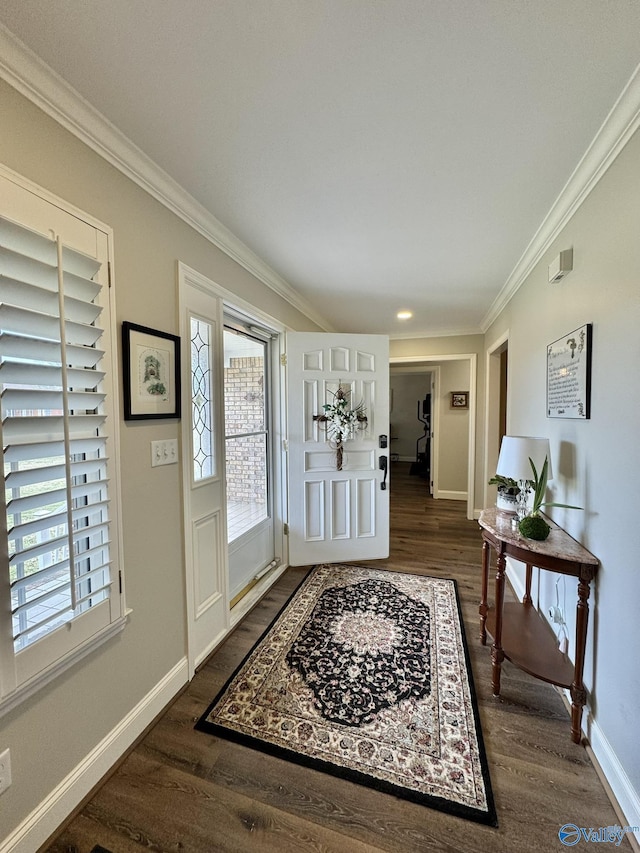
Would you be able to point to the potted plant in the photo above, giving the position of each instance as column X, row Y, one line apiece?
column 508, row 491
column 533, row 525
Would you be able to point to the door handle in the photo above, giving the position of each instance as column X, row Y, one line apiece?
column 382, row 465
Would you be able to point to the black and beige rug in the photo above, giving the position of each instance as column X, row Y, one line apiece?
column 365, row 674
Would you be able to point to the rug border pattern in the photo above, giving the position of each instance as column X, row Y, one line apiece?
column 488, row 817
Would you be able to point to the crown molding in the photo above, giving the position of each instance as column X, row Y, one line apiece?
column 33, row 78
column 614, row 133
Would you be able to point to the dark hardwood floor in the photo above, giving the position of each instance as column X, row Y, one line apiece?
column 182, row 790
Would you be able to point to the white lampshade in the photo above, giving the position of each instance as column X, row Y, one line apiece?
column 515, row 452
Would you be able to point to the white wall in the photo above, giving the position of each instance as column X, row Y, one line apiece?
column 597, row 462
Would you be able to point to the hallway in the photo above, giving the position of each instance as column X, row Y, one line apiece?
column 187, row 791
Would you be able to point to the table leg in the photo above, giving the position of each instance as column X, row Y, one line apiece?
column 497, row 654
column 527, row 590
column 578, row 693
column 484, row 609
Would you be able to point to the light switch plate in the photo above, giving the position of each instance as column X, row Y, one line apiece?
column 164, row 452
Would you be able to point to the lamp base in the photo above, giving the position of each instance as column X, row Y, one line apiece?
column 522, row 509
column 506, row 503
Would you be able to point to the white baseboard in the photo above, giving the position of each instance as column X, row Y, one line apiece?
column 516, row 577
column 450, row 495
column 615, row 777
column 45, row 819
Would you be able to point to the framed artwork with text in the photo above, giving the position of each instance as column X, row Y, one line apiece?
column 569, row 375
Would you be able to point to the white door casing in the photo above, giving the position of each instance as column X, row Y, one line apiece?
column 205, row 526
column 337, row 516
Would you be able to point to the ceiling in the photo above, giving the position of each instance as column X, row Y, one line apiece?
column 378, row 155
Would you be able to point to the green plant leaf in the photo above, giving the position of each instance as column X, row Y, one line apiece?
column 565, row 506
column 539, row 484
column 504, row 482
column 540, row 487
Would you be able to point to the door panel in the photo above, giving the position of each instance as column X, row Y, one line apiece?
column 337, row 515
column 203, row 480
column 206, row 541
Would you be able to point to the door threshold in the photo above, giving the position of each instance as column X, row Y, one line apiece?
column 242, row 593
column 257, row 588
column 272, row 565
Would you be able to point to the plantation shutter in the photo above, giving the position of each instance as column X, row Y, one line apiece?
column 54, row 445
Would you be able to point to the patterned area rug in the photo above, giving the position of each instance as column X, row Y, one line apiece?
column 365, row 674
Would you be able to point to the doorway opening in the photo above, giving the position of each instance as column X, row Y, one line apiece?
column 452, row 444
column 411, row 420
column 248, row 456
column 496, row 409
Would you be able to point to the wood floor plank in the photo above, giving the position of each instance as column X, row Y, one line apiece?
column 187, row 791
column 168, row 807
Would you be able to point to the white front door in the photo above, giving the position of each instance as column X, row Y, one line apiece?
column 205, row 527
column 337, row 515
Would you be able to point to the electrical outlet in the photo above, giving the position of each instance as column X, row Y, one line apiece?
column 556, row 615
column 164, row 452
column 5, row 771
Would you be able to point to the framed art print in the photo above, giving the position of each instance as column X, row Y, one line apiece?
column 459, row 399
column 151, row 366
column 569, row 375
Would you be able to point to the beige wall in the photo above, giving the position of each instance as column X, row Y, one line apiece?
column 423, row 347
column 596, row 462
column 51, row 732
column 453, row 426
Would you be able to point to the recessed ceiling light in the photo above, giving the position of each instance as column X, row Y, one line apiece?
column 404, row 315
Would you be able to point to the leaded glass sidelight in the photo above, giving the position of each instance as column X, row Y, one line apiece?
column 201, row 416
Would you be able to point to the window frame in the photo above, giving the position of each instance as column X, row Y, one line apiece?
column 257, row 335
column 22, row 675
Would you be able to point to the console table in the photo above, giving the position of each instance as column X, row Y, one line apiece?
column 519, row 632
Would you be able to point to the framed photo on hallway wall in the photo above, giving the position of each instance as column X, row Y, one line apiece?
column 151, row 368
column 459, row 399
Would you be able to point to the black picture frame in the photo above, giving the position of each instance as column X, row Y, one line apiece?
column 569, row 375
column 459, row 399
column 151, row 373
